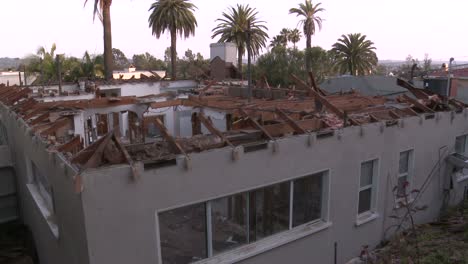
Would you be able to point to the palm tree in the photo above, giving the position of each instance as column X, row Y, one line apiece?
column 102, row 9
column 48, row 66
column 284, row 33
column 294, row 36
column 278, row 40
column 234, row 27
column 310, row 20
column 354, row 54
column 175, row 16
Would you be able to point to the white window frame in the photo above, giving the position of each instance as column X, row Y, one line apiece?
column 462, row 174
column 409, row 176
column 270, row 242
column 371, row 214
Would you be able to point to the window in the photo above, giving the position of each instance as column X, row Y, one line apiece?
column 183, row 234
column 367, row 192
column 44, row 187
column 307, row 199
column 460, row 148
column 404, row 176
column 203, row 230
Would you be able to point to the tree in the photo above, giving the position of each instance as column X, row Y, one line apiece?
column 48, row 67
column 427, row 63
column 234, row 27
column 102, row 9
column 294, row 36
column 310, row 21
column 321, row 62
column 175, row 16
column 354, row 54
column 147, row 61
column 120, row 60
column 92, row 66
column 278, row 40
column 284, row 33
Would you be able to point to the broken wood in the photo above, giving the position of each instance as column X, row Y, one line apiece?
column 417, row 104
column 255, row 123
column 209, row 125
column 291, row 122
column 168, row 137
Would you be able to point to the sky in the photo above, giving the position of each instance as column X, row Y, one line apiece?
column 397, row 27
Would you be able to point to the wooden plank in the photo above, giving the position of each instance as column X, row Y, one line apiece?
column 71, row 146
column 393, row 114
column 209, row 125
column 314, row 85
column 277, row 130
column 40, row 118
column 255, row 124
column 373, row 118
column 291, row 122
column 168, row 137
column 418, row 93
column 417, row 104
column 127, row 156
column 56, row 125
column 167, row 103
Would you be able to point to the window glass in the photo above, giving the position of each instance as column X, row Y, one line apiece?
column 365, row 197
column 269, row 210
column 307, row 204
column 367, row 170
column 404, row 162
column 460, row 145
column 229, row 222
column 401, row 186
column 183, row 234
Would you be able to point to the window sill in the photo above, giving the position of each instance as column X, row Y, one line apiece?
column 266, row 244
column 366, row 218
column 49, row 217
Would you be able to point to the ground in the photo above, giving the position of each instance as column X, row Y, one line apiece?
column 442, row 242
column 16, row 246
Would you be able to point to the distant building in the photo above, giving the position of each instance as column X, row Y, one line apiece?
column 366, row 85
column 132, row 73
column 225, row 51
column 13, row 78
column 437, row 82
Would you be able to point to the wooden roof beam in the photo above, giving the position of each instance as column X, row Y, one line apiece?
column 168, row 136
column 417, row 104
column 209, row 125
column 255, row 123
column 291, row 122
column 61, row 122
column 127, row 157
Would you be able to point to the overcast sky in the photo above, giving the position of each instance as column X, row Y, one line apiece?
column 397, row 27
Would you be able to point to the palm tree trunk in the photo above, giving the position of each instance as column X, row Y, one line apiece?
column 173, row 53
column 308, row 47
column 239, row 61
column 108, row 59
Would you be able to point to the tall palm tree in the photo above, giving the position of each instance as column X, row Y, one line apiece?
column 310, row 21
column 284, row 33
column 175, row 16
column 102, row 9
column 278, row 40
column 234, row 26
column 354, row 54
column 294, row 36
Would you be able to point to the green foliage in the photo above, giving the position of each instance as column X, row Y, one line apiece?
column 147, row 61
column 234, row 27
column 175, row 16
column 279, row 63
column 192, row 66
column 120, row 60
column 321, row 62
column 354, row 54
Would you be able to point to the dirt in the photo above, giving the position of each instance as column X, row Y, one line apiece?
column 442, row 242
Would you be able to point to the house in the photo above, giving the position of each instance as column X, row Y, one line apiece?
column 220, row 179
column 371, row 85
column 437, row 82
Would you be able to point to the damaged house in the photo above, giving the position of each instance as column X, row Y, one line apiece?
column 290, row 176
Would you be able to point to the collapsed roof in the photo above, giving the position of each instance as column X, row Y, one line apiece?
column 270, row 114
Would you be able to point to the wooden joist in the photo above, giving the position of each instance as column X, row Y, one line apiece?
column 61, row 122
column 167, row 103
column 417, row 104
column 40, row 118
column 393, row 114
column 291, row 122
column 209, row 125
column 127, row 157
column 168, row 137
column 74, row 145
column 255, row 123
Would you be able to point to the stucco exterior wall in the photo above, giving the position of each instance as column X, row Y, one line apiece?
column 70, row 244
column 121, row 215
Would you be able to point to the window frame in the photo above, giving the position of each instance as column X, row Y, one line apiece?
column 366, row 216
column 286, row 236
column 408, row 174
column 462, row 174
